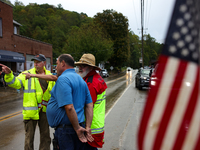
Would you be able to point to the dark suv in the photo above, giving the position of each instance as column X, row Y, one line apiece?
column 142, row 78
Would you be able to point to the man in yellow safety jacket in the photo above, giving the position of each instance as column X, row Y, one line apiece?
column 35, row 99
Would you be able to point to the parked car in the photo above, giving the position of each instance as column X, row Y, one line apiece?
column 104, row 73
column 153, row 78
column 146, row 67
column 142, row 78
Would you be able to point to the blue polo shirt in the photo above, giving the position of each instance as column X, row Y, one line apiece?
column 70, row 88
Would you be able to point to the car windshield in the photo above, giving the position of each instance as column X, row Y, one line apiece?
column 145, row 71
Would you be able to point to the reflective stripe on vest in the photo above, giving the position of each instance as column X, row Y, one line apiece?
column 11, row 82
column 29, row 87
column 30, row 108
column 97, row 130
column 44, row 103
column 29, row 91
column 20, row 82
column 100, row 100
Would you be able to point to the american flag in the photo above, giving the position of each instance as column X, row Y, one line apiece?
column 171, row 116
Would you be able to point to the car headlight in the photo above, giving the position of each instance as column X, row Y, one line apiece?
column 144, row 78
column 153, row 83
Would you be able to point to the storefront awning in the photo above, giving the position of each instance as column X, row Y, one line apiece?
column 11, row 56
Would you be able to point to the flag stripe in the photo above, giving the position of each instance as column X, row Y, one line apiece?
column 180, row 107
column 150, row 102
column 172, row 93
column 161, row 101
column 187, row 117
column 193, row 133
column 198, row 143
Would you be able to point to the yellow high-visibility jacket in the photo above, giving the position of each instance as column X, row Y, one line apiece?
column 34, row 98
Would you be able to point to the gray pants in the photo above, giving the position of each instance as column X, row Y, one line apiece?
column 30, row 125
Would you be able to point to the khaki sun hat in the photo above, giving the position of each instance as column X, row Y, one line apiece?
column 87, row 59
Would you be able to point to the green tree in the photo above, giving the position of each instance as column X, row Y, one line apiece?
column 60, row 7
column 50, row 12
column 116, row 25
column 151, row 49
column 56, row 34
column 39, row 21
column 73, row 18
column 89, row 38
column 40, row 34
column 135, row 51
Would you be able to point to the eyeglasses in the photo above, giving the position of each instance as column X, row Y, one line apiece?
column 83, row 66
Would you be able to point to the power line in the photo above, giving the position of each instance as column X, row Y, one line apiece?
column 149, row 14
column 135, row 14
column 146, row 12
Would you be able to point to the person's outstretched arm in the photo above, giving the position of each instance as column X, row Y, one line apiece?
column 41, row 76
column 10, row 79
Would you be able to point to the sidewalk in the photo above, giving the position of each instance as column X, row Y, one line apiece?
column 8, row 94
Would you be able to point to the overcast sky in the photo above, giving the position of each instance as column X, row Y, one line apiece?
column 156, row 16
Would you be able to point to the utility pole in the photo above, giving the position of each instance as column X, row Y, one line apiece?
column 142, row 23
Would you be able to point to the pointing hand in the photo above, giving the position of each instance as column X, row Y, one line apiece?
column 28, row 75
column 5, row 69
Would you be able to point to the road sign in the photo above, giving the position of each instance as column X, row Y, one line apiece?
column 111, row 68
column 140, row 60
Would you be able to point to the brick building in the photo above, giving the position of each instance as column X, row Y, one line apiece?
column 16, row 51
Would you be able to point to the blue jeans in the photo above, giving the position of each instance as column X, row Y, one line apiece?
column 68, row 139
column 88, row 147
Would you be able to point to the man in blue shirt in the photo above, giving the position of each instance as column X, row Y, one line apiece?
column 65, row 111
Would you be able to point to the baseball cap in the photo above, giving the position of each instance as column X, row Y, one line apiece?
column 39, row 57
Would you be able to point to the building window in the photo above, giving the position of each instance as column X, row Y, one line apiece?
column 15, row 30
column 1, row 30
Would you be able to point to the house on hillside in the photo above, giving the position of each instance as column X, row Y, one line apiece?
column 16, row 51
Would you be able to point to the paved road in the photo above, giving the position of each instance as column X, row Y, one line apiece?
column 123, row 119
